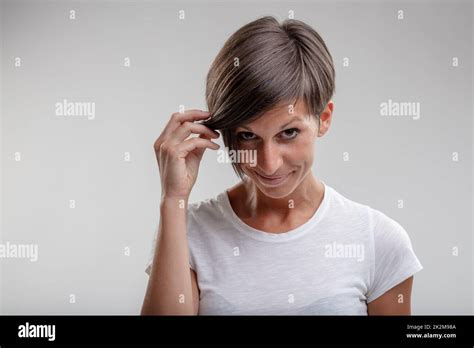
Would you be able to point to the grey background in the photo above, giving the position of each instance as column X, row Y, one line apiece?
column 81, row 250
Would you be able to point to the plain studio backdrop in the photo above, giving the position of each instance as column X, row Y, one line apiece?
column 86, row 189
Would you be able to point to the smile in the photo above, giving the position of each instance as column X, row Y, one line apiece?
column 272, row 181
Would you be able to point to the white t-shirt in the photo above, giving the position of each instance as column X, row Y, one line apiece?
column 345, row 256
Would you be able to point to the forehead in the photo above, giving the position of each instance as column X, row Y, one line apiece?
column 279, row 115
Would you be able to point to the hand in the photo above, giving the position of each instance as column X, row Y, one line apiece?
column 178, row 157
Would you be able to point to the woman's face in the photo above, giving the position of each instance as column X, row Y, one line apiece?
column 283, row 139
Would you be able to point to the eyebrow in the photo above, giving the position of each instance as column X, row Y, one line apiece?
column 298, row 118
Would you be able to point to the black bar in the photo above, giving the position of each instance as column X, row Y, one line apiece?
column 163, row 330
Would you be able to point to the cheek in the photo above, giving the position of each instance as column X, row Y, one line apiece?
column 301, row 150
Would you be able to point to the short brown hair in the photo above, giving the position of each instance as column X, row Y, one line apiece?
column 262, row 65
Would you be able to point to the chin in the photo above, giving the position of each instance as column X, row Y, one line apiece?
column 275, row 193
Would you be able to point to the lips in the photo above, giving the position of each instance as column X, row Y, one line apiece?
column 272, row 180
column 271, row 177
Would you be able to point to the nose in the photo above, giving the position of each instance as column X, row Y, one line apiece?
column 269, row 159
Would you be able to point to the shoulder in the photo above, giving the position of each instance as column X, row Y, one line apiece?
column 207, row 211
column 389, row 232
column 345, row 209
column 379, row 223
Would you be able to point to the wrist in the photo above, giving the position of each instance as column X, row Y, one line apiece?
column 174, row 201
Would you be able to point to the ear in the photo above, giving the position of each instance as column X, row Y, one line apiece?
column 325, row 118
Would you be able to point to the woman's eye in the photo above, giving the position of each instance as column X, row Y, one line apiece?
column 246, row 136
column 290, row 133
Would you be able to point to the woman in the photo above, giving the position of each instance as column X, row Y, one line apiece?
column 281, row 241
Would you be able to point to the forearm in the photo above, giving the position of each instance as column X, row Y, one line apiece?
column 169, row 290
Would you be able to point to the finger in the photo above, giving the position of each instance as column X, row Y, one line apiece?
column 177, row 119
column 200, row 151
column 188, row 128
column 195, row 143
column 192, row 115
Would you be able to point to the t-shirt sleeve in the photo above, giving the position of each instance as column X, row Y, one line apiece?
column 190, row 226
column 394, row 257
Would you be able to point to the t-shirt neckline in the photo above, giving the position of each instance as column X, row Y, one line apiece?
column 275, row 237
